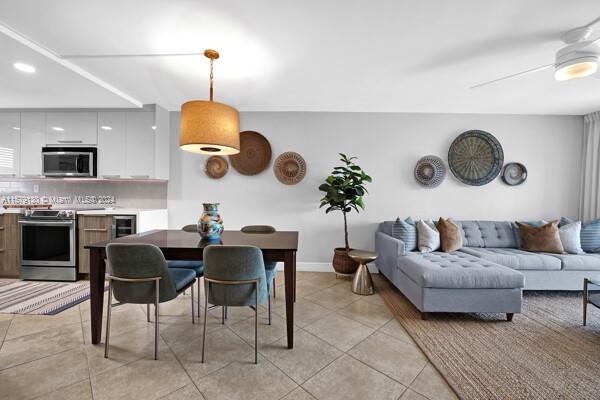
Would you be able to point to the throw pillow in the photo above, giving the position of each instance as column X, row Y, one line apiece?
column 407, row 232
column 541, row 239
column 565, row 221
column 570, row 237
column 518, row 233
column 450, row 236
column 428, row 236
column 590, row 236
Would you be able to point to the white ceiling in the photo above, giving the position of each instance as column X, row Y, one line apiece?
column 311, row 55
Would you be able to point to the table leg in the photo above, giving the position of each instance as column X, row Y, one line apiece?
column 97, row 271
column 289, row 268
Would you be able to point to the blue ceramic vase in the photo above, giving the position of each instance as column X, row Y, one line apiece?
column 210, row 225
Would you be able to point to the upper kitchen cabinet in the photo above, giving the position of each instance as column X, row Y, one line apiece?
column 71, row 128
column 33, row 138
column 140, row 142
column 10, row 143
column 112, row 133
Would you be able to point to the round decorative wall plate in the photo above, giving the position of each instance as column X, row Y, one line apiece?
column 254, row 156
column 430, row 171
column 216, row 167
column 514, row 174
column 475, row 157
column 289, row 168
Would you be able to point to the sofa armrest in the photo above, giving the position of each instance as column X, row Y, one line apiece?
column 388, row 246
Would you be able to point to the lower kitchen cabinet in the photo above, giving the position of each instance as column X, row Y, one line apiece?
column 9, row 246
column 92, row 228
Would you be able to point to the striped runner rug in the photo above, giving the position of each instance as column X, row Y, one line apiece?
column 40, row 298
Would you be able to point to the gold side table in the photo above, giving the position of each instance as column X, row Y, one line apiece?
column 362, row 283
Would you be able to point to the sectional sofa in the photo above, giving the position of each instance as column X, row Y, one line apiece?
column 488, row 274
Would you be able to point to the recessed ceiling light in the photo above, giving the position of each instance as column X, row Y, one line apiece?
column 29, row 69
column 58, row 129
column 106, row 128
column 16, row 128
column 153, row 127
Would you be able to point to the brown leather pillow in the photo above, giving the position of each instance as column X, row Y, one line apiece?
column 542, row 239
column 450, row 235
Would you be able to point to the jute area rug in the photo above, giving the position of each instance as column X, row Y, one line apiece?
column 544, row 353
column 41, row 298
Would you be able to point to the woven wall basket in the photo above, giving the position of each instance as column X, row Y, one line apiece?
column 289, row 168
column 254, row 156
column 216, row 167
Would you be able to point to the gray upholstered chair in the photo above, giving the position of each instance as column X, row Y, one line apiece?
column 138, row 274
column 196, row 265
column 234, row 276
column 270, row 266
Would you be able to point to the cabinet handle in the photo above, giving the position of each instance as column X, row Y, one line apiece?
column 95, row 230
column 140, row 176
column 111, row 176
column 2, row 250
column 13, row 175
column 32, row 175
column 70, row 141
column 1, row 228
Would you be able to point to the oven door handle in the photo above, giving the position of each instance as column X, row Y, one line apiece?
column 53, row 223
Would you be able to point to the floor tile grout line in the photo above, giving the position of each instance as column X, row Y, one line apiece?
column 182, row 367
column 7, row 329
column 37, row 359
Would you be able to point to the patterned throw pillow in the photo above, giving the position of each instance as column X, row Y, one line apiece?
column 590, row 236
column 428, row 236
column 570, row 237
column 407, row 232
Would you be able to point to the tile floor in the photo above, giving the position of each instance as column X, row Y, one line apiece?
column 346, row 347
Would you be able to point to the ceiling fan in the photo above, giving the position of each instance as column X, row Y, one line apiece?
column 578, row 59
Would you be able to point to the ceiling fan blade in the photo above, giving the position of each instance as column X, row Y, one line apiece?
column 529, row 71
column 141, row 55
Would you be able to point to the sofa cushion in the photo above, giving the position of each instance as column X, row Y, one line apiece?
column 544, row 238
column 428, row 236
column 487, row 233
column 516, row 259
column 450, row 235
column 579, row 262
column 570, row 237
column 590, row 236
column 406, row 231
column 458, row 271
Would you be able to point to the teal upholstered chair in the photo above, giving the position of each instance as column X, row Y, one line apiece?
column 234, row 276
column 270, row 266
column 195, row 265
column 138, row 274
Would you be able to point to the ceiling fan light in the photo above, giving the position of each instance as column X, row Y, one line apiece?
column 576, row 68
column 208, row 127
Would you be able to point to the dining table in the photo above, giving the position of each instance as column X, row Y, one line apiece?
column 279, row 246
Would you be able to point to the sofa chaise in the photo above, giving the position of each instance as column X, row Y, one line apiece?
column 488, row 274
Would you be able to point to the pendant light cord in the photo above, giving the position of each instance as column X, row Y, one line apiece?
column 211, row 79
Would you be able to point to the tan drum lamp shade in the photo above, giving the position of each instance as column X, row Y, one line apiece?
column 208, row 127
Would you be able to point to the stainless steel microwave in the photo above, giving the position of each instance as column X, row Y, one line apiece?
column 69, row 162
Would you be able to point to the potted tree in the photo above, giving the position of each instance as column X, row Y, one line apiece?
column 344, row 190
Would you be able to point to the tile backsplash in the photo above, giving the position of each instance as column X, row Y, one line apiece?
column 126, row 194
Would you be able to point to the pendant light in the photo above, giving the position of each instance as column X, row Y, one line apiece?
column 208, row 127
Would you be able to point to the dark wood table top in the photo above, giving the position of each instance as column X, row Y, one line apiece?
column 178, row 239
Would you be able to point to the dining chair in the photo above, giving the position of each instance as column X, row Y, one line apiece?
column 270, row 266
column 196, row 265
column 234, row 276
column 138, row 274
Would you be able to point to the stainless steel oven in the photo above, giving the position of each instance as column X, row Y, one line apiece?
column 69, row 162
column 48, row 245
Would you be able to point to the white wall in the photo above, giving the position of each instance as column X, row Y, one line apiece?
column 388, row 146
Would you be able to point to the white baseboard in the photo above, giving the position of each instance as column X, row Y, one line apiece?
column 319, row 267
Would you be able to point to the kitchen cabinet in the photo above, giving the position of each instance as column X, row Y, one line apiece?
column 10, row 143
column 33, row 138
column 92, row 228
column 9, row 246
column 140, row 142
column 72, row 128
column 112, row 133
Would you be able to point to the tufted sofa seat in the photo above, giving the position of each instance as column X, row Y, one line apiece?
column 458, row 270
column 515, row 258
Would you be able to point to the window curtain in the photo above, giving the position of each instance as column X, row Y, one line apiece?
column 589, row 207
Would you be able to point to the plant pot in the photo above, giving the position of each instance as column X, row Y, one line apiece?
column 342, row 263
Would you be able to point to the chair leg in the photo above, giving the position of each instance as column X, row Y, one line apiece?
column 198, row 298
column 222, row 315
column 274, row 294
column 148, row 312
column 204, row 327
column 156, row 303
column 108, row 309
column 256, row 327
column 585, row 300
column 193, row 313
column 269, row 300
